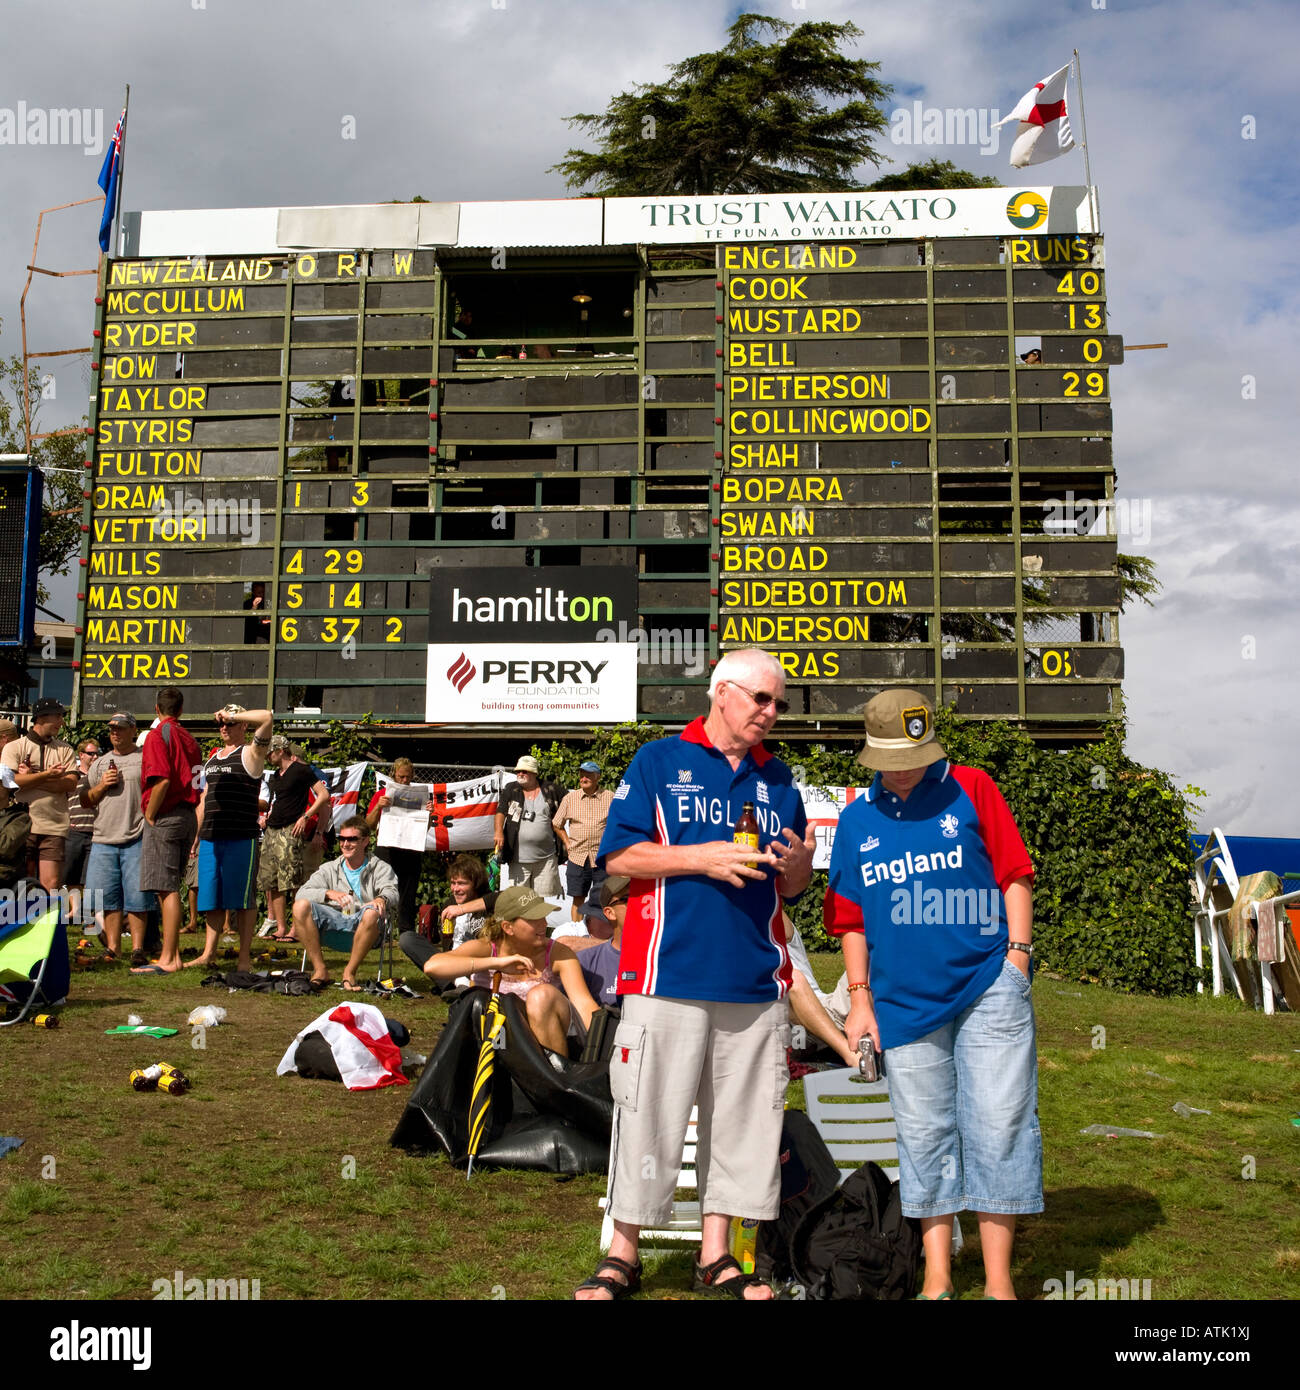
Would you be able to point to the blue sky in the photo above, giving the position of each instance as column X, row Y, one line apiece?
column 236, row 103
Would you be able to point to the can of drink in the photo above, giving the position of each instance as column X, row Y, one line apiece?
column 46, row 1020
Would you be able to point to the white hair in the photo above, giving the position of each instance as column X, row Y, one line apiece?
column 750, row 663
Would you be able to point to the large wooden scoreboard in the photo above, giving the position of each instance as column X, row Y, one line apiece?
column 340, row 458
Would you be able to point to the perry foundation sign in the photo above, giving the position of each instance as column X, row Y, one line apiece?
column 529, row 683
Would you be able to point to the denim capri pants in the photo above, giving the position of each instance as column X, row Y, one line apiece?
column 965, row 1101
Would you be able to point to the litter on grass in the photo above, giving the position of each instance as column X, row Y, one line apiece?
column 1181, row 1108
column 209, row 1016
column 134, row 1020
column 8, row 1142
column 141, row 1028
column 1115, row 1132
column 1158, row 1077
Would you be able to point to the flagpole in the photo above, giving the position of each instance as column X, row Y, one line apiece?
column 121, row 170
column 1087, row 159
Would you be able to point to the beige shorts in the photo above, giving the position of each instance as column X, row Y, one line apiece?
column 541, row 875
column 727, row 1059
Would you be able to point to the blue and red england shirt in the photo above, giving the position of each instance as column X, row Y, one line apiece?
column 924, row 878
column 689, row 936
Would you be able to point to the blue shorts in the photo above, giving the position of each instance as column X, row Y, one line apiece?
column 965, row 1101
column 113, row 879
column 227, row 875
column 336, row 928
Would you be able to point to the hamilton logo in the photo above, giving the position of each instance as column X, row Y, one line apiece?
column 461, row 672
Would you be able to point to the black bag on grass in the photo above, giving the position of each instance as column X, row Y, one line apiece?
column 808, row 1176
column 856, row 1243
column 15, row 827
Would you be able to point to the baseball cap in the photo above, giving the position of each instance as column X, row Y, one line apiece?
column 521, row 901
column 614, row 887
column 278, row 742
column 232, row 711
column 122, row 719
column 589, row 766
column 526, row 765
column 7, row 728
column 900, row 732
column 47, row 706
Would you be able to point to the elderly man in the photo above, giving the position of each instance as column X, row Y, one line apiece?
column 579, row 824
column 296, row 795
column 525, row 837
column 704, row 974
column 44, row 770
column 350, row 897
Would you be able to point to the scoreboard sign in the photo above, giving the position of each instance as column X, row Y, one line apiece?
column 447, row 485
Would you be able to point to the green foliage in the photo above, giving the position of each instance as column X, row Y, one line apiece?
column 1108, row 837
column 790, row 116
column 1137, row 574
column 61, row 509
column 612, row 748
column 932, row 173
column 344, row 743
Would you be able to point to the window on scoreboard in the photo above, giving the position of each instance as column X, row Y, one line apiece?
column 544, row 315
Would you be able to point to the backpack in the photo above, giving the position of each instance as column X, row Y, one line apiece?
column 856, row 1243
column 15, row 827
column 808, row 1176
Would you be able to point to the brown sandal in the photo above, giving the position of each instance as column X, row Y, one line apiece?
column 706, row 1280
column 617, row 1289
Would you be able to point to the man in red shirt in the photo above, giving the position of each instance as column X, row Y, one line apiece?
column 169, row 781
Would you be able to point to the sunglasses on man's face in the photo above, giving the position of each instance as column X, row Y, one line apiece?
column 350, row 839
column 90, row 752
column 761, row 699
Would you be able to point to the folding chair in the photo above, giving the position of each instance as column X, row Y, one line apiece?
column 684, row 1224
column 855, row 1118
column 24, row 947
column 342, row 941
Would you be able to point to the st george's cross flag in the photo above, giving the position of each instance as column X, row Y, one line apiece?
column 1044, row 130
column 108, row 177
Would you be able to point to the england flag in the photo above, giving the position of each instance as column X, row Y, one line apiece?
column 1044, row 130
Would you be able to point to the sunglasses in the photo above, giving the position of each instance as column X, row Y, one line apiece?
column 763, row 700
column 350, row 839
column 90, row 752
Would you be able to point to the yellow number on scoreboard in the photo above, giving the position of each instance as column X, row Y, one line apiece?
column 1091, row 316
column 361, row 490
column 1089, row 282
column 288, row 629
column 1058, row 663
column 1071, row 380
column 1096, row 383
column 295, row 563
column 293, row 596
column 394, row 630
column 353, row 597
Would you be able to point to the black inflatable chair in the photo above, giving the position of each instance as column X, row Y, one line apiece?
column 548, row 1113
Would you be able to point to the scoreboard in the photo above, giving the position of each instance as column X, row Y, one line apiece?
column 340, row 481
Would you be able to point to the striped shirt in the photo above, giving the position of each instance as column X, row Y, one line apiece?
column 582, row 818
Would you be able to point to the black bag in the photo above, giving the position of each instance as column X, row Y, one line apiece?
column 15, row 827
column 856, row 1243
column 808, row 1176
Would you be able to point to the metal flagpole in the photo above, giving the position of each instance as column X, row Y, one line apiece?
column 121, row 170
column 1083, row 132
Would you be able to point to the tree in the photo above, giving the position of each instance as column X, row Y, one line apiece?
column 931, row 173
column 60, row 459
column 752, row 117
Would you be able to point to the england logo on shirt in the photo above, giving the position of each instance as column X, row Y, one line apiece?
column 948, row 824
column 762, row 794
column 623, row 789
column 870, row 843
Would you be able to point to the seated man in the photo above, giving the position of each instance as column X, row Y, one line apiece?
column 352, row 896
column 598, row 953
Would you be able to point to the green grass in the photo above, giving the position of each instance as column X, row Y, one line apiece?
column 244, row 1177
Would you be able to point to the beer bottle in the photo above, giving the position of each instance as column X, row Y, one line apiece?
column 746, row 832
column 448, row 933
column 146, row 1079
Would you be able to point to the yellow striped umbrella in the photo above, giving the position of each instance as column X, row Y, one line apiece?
column 491, row 1022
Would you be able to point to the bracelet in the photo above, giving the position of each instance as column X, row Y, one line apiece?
column 862, row 985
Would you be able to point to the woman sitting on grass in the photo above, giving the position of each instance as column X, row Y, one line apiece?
column 544, row 974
